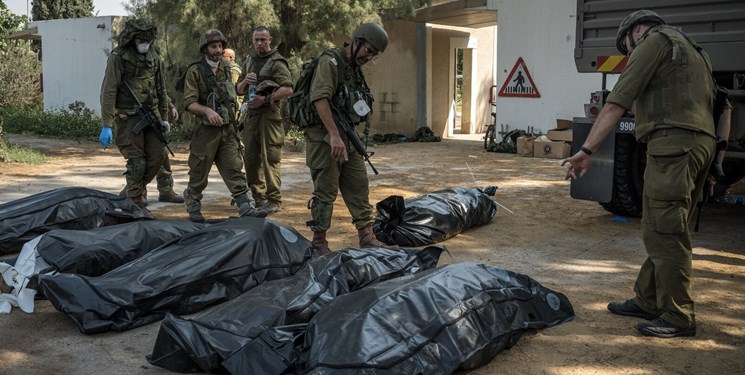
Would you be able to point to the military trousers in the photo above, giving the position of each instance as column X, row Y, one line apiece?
column 218, row 145
column 165, row 176
column 331, row 177
column 263, row 136
column 677, row 166
column 144, row 153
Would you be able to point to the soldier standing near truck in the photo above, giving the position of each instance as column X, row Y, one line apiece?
column 668, row 80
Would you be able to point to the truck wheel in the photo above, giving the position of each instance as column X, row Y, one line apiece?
column 628, row 177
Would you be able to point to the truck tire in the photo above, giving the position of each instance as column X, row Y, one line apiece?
column 628, row 177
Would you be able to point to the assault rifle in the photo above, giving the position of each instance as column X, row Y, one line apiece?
column 343, row 122
column 147, row 118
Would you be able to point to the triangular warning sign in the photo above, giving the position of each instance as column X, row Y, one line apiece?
column 519, row 83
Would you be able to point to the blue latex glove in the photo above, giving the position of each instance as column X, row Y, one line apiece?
column 106, row 136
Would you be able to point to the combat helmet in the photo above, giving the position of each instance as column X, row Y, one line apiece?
column 209, row 36
column 137, row 28
column 628, row 23
column 266, row 87
column 374, row 34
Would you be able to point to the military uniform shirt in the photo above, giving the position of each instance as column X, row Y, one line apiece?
column 658, row 78
column 325, row 79
column 195, row 86
column 115, row 72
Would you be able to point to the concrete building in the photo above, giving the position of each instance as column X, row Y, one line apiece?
column 414, row 80
column 74, row 53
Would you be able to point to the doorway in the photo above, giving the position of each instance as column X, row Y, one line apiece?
column 458, row 91
column 461, row 120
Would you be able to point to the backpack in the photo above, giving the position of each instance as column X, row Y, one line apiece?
column 181, row 80
column 301, row 111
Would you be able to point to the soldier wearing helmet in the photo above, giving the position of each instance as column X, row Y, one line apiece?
column 209, row 94
column 339, row 85
column 668, row 81
column 263, row 132
column 137, row 63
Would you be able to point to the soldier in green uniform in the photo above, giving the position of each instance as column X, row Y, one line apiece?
column 136, row 64
column 235, row 68
column 263, row 133
column 668, row 80
column 210, row 94
column 339, row 85
column 164, row 178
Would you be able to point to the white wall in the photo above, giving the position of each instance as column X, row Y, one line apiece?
column 543, row 34
column 74, row 53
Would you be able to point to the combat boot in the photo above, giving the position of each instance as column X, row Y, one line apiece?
column 139, row 203
column 195, row 212
column 260, row 202
column 367, row 239
column 271, row 208
column 123, row 194
column 246, row 207
column 170, row 197
column 320, row 245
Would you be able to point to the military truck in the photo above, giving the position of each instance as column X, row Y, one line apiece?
column 615, row 178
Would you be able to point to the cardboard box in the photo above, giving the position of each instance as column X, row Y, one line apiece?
column 551, row 150
column 525, row 145
column 563, row 124
column 560, row 135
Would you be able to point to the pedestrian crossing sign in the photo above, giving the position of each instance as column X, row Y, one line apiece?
column 519, row 83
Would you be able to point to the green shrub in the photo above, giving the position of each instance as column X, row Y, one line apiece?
column 296, row 139
column 20, row 75
column 3, row 146
column 76, row 122
column 182, row 130
column 16, row 154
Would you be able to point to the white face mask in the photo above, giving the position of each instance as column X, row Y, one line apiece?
column 213, row 63
column 142, row 48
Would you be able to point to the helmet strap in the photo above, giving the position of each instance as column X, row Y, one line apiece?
column 632, row 41
column 356, row 50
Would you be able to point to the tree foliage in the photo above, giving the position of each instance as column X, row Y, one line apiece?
column 300, row 28
column 9, row 23
column 20, row 76
column 58, row 9
column 20, row 70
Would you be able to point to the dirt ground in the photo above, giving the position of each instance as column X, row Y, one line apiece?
column 574, row 247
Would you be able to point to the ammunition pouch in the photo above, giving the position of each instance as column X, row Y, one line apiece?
column 320, row 213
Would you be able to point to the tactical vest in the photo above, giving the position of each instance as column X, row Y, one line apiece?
column 141, row 73
column 670, row 99
column 262, row 67
column 222, row 95
column 350, row 88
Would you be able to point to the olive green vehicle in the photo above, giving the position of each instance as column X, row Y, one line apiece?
column 615, row 178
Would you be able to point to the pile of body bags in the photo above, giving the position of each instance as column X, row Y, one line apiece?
column 264, row 303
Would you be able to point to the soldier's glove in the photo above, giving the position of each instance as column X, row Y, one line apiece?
column 106, row 137
column 165, row 127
